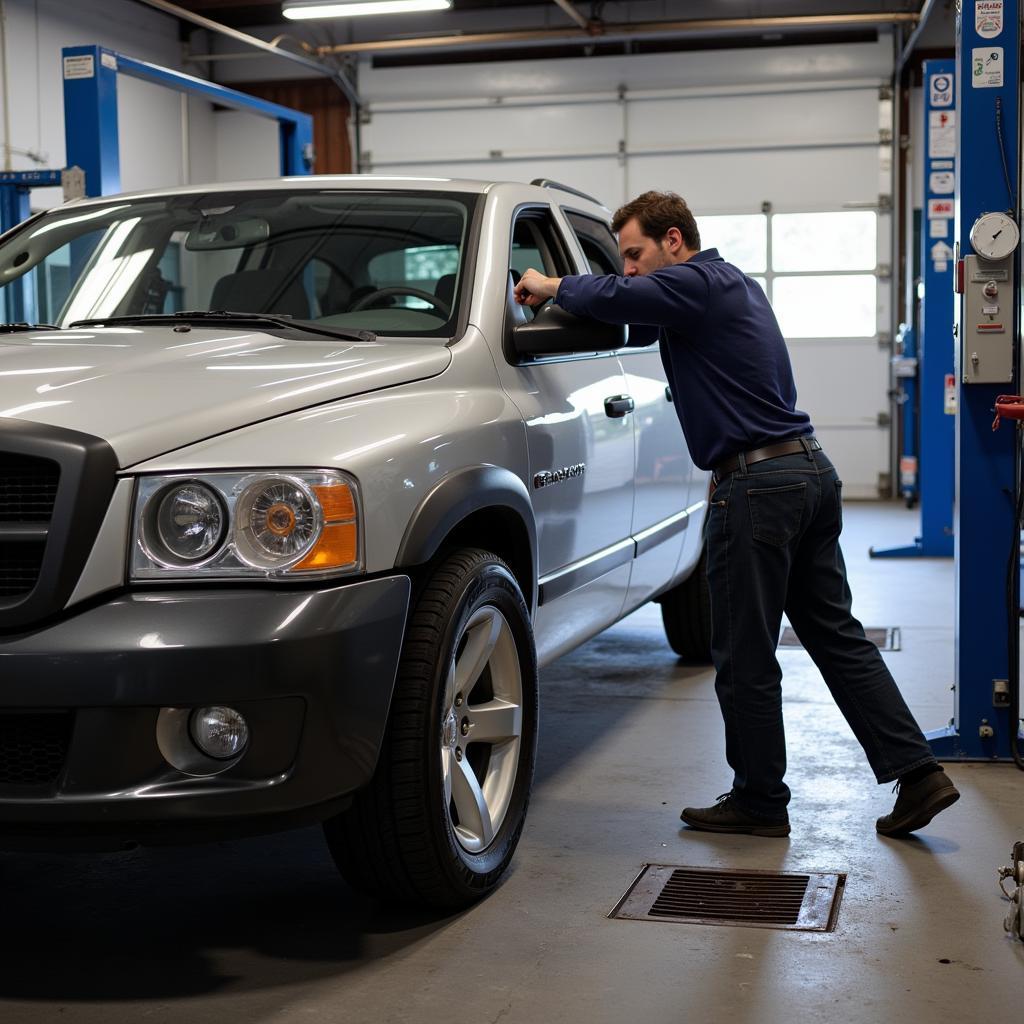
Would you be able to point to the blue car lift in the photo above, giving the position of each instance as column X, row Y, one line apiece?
column 926, row 393
column 91, row 132
column 985, row 519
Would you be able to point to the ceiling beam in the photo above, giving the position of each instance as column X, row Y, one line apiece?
column 623, row 31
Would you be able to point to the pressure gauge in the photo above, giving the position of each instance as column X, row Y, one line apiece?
column 994, row 236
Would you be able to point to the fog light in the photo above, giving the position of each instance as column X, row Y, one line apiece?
column 219, row 732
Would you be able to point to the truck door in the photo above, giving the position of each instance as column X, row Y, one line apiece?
column 663, row 465
column 581, row 453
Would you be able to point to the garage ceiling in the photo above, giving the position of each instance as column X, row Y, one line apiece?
column 523, row 29
column 250, row 13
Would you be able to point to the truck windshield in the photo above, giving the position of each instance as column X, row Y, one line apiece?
column 390, row 263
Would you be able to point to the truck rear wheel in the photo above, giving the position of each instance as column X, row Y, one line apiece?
column 686, row 615
column 442, row 817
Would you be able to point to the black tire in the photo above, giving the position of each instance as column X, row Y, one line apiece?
column 686, row 614
column 398, row 841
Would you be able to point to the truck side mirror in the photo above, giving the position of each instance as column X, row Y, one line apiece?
column 555, row 332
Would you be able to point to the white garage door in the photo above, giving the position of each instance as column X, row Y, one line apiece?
column 783, row 154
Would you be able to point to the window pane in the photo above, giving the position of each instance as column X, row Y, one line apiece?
column 740, row 239
column 824, row 241
column 826, row 307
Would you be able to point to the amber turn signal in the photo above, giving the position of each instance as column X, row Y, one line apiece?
column 337, row 502
column 336, row 548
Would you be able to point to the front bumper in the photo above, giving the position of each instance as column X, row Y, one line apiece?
column 312, row 671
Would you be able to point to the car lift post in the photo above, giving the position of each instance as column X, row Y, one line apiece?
column 90, row 113
column 935, row 335
column 988, row 180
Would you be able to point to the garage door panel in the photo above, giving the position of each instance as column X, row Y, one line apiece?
column 842, row 385
column 792, row 180
column 857, row 392
column 408, row 136
column 857, row 454
column 755, row 120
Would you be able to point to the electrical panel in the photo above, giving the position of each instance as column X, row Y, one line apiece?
column 987, row 321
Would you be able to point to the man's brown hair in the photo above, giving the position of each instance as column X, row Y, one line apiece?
column 656, row 212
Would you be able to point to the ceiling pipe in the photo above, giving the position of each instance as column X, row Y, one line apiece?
column 569, row 9
column 336, row 76
column 908, row 49
column 621, row 32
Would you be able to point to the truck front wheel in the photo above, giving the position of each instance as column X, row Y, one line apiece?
column 442, row 817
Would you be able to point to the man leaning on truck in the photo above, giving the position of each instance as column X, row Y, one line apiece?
column 774, row 519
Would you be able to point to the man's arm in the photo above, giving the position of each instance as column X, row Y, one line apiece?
column 534, row 289
column 670, row 297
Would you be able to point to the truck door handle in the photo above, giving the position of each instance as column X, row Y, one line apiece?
column 618, row 405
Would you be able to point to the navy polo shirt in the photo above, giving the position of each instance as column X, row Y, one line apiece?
column 724, row 355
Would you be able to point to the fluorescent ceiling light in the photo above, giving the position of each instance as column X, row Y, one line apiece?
column 304, row 9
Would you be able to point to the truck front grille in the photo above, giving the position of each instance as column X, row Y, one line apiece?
column 28, row 488
column 33, row 746
column 19, row 567
column 55, row 486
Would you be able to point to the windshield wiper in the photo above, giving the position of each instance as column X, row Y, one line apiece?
column 226, row 316
column 14, row 328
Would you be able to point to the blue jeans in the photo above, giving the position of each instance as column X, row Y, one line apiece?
column 773, row 547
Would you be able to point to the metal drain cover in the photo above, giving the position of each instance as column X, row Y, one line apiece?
column 885, row 638
column 806, row 902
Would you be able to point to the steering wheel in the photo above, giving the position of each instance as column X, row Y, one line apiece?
column 418, row 293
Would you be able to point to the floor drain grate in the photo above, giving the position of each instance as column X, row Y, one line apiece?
column 806, row 902
column 885, row 638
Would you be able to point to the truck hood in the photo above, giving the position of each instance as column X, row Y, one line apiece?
column 148, row 390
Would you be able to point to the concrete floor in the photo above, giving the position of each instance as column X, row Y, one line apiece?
column 263, row 930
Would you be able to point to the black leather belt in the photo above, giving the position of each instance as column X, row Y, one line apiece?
column 772, row 451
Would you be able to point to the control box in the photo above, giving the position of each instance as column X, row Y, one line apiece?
column 987, row 321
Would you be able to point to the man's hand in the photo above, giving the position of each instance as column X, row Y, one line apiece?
column 534, row 289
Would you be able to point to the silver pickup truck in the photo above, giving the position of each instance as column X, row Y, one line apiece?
column 294, row 502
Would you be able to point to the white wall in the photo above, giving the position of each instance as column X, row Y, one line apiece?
column 222, row 146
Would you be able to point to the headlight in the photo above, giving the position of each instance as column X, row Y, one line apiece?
column 189, row 522
column 272, row 524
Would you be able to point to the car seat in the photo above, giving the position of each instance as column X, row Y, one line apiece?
column 261, row 291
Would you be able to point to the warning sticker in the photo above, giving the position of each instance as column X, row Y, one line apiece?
column 938, row 228
column 940, row 208
column 940, row 90
column 941, row 254
column 988, row 18
column 941, row 183
column 987, row 67
column 941, row 134
column 79, row 67
column 949, row 397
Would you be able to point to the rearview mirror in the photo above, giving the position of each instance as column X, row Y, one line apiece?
column 555, row 332
column 227, row 233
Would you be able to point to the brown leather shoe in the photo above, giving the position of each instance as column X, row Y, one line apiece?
column 916, row 805
column 725, row 816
